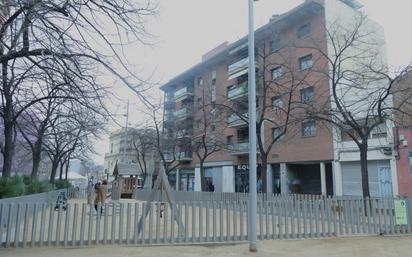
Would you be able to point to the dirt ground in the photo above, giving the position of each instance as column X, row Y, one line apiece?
column 341, row 247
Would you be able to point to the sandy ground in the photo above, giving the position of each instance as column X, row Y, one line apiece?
column 341, row 247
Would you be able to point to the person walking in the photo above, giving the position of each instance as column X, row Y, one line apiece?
column 101, row 195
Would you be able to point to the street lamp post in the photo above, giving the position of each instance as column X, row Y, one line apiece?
column 252, row 233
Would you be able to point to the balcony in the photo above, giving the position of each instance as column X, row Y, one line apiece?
column 185, row 133
column 180, row 156
column 183, row 113
column 184, row 156
column 238, row 66
column 239, row 148
column 234, row 120
column 183, row 93
column 238, row 91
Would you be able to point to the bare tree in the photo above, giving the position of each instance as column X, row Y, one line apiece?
column 145, row 146
column 205, row 140
column 361, row 84
column 33, row 125
column 48, row 39
column 67, row 132
column 279, row 82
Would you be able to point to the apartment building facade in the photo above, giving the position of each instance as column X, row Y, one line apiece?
column 122, row 149
column 311, row 158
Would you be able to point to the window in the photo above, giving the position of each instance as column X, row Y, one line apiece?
column 379, row 131
column 213, row 89
column 307, row 94
column 213, row 105
column 277, row 133
column 229, row 140
column 200, row 82
column 214, row 74
column 213, row 135
column 277, row 102
column 275, row 45
column 198, row 124
column 309, row 128
column 305, row 62
column 304, row 30
column 277, row 73
column 199, row 103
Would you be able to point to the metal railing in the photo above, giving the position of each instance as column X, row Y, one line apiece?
column 211, row 219
column 235, row 120
column 183, row 113
column 185, row 91
column 239, row 147
column 238, row 90
column 238, row 65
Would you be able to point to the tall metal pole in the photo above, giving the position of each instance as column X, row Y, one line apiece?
column 252, row 233
column 126, row 157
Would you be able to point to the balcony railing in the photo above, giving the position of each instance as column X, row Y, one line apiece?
column 238, row 66
column 184, row 133
column 239, row 148
column 235, row 120
column 183, row 93
column 180, row 156
column 184, row 156
column 183, row 113
column 238, row 90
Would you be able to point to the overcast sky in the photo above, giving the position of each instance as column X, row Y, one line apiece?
column 185, row 29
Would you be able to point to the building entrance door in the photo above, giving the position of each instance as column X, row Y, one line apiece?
column 385, row 181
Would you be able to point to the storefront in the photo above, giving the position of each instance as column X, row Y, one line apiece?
column 380, row 178
column 186, row 180
column 242, row 178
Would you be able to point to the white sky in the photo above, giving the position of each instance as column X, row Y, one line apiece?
column 186, row 29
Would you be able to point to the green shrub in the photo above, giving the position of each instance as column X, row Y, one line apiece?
column 11, row 187
column 34, row 186
column 62, row 184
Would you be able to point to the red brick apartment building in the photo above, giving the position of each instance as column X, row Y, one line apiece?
column 304, row 160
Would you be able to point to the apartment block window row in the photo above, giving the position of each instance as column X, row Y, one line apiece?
column 309, row 128
column 380, row 131
column 213, row 89
column 305, row 62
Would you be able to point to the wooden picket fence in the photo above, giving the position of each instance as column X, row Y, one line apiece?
column 77, row 193
column 195, row 222
column 184, row 196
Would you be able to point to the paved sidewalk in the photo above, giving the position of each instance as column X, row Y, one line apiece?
column 342, row 247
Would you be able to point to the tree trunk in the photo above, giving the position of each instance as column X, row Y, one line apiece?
column 67, row 167
column 55, row 165
column 364, row 168
column 202, row 176
column 36, row 159
column 8, row 120
column 8, row 150
column 263, row 173
column 61, row 170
